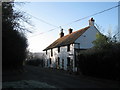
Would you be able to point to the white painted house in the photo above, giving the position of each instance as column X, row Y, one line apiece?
column 61, row 54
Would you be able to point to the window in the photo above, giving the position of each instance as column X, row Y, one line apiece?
column 47, row 62
column 46, row 52
column 62, row 63
column 58, row 61
column 58, row 49
column 68, row 61
column 50, row 60
column 68, row 47
column 51, row 52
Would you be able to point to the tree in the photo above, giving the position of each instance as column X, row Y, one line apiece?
column 14, row 42
column 101, row 41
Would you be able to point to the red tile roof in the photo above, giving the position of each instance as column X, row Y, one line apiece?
column 68, row 39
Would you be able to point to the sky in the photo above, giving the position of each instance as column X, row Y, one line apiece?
column 46, row 16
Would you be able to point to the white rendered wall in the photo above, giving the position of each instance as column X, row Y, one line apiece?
column 63, row 54
column 87, row 38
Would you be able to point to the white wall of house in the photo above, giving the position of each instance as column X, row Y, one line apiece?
column 63, row 55
column 83, row 42
column 87, row 38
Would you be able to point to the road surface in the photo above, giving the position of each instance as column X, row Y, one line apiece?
column 59, row 78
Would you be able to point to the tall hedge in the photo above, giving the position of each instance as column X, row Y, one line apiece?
column 102, row 63
column 14, row 42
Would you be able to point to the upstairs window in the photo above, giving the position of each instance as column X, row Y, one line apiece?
column 58, row 49
column 51, row 52
column 68, row 47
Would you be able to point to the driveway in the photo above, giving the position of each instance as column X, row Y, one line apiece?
column 59, row 78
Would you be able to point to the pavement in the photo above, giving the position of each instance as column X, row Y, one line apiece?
column 58, row 78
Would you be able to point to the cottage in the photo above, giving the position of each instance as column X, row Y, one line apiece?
column 61, row 54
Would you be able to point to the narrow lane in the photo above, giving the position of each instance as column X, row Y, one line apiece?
column 60, row 79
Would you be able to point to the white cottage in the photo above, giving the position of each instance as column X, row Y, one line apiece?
column 61, row 54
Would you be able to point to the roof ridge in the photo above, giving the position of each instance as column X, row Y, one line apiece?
column 75, row 31
column 67, row 39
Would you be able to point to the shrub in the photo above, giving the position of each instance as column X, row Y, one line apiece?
column 103, row 63
column 35, row 62
column 13, row 49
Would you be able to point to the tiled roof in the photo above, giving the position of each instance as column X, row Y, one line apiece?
column 68, row 39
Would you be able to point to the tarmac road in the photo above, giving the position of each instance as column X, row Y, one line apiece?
column 59, row 78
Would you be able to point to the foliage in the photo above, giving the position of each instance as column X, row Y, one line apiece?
column 35, row 62
column 35, row 59
column 101, row 40
column 14, row 42
column 30, row 55
column 13, row 18
column 14, row 49
column 102, row 63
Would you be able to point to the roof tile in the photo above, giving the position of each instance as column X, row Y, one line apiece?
column 68, row 39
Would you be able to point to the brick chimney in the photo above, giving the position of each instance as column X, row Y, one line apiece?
column 70, row 30
column 91, row 22
column 61, row 33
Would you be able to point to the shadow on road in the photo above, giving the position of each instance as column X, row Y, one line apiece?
column 57, row 78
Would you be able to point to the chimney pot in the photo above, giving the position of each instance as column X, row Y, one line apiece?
column 91, row 22
column 70, row 30
column 61, row 33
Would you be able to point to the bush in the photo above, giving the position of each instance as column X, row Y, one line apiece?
column 103, row 63
column 14, row 43
column 14, row 47
column 35, row 62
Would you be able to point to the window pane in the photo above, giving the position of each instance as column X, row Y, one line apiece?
column 51, row 52
column 68, row 47
column 50, row 60
column 68, row 61
column 58, row 49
